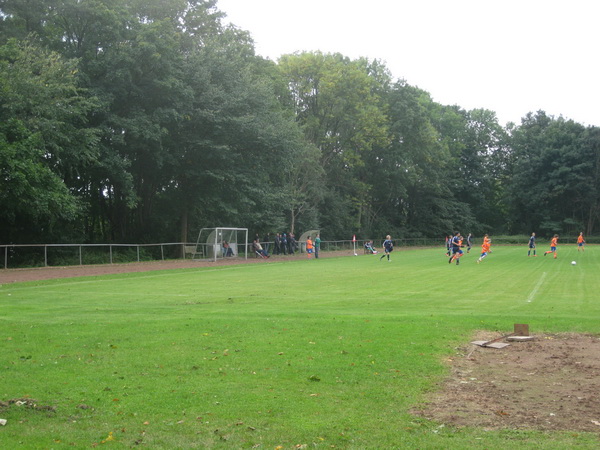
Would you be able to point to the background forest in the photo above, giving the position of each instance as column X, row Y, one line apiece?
column 145, row 120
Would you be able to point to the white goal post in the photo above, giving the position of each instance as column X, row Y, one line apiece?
column 220, row 243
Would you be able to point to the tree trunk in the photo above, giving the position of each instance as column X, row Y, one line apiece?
column 293, row 221
column 184, row 227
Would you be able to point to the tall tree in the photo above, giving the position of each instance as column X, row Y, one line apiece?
column 554, row 172
column 410, row 180
column 337, row 103
column 44, row 140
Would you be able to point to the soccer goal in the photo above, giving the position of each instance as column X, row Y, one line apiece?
column 220, row 243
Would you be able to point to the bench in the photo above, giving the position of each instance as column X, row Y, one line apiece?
column 189, row 251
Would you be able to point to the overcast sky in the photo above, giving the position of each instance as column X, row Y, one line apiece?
column 509, row 56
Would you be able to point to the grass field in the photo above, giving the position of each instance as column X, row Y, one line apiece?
column 327, row 353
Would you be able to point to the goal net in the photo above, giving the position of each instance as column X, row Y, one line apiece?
column 220, row 243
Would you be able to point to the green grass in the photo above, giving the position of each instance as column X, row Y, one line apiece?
column 327, row 353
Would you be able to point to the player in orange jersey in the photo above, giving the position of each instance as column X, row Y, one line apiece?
column 485, row 248
column 553, row 245
column 309, row 247
column 580, row 242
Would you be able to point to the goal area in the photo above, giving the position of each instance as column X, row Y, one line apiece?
column 220, row 243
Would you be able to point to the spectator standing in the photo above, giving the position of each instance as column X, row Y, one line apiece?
column 277, row 243
column 317, row 245
column 267, row 242
column 309, row 247
column 291, row 243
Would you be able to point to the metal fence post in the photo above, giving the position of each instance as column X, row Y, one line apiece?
column 110, row 251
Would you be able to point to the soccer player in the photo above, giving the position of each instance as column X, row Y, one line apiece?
column 553, row 245
column 485, row 248
column 457, row 243
column 388, row 247
column 580, row 242
column 469, row 242
column 531, row 245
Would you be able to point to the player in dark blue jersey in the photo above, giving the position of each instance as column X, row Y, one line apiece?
column 457, row 243
column 388, row 247
column 531, row 245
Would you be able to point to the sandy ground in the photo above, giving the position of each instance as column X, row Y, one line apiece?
column 550, row 383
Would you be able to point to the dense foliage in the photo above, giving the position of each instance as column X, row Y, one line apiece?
column 138, row 121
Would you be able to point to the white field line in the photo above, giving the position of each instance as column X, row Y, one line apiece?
column 536, row 288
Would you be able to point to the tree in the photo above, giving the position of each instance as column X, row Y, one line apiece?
column 410, row 190
column 338, row 106
column 43, row 140
column 233, row 146
column 554, row 174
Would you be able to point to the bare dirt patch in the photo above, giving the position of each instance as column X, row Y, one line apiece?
column 550, row 383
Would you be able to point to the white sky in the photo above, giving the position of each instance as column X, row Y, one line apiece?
column 509, row 56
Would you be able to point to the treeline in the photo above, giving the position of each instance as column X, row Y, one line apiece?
column 146, row 120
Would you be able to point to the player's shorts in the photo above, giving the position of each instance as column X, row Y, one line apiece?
column 483, row 254
column 389, row 249
column 552, row 249
column 531, row 245
column 580, row 244
column 309, row 250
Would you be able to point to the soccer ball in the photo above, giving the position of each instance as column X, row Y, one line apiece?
column 573, row 262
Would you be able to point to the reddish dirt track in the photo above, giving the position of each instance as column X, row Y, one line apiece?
column 47, row 273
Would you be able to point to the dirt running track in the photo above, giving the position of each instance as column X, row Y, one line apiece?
column 47, row 273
